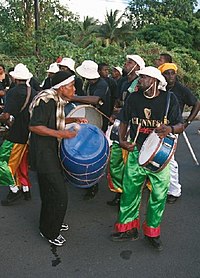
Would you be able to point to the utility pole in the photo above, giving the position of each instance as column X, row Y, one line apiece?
column 37, row 24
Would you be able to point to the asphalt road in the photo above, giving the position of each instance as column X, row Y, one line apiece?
column 89, row 251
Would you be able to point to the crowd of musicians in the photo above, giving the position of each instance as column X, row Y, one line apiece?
column 134, row 101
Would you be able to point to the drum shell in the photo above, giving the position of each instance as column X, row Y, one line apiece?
column 85, row 156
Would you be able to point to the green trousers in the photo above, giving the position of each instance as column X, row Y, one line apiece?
column 133, row 179
column 116, row 168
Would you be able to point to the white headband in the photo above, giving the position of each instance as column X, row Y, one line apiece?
column 64, row 82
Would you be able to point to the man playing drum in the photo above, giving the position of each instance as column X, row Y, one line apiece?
column 146, row 111
column 47, row 126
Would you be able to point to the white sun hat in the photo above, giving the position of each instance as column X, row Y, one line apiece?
column 119, row 69
column 53, row 68
column 21, row 72
column 68, row 62
column 155, row 73
column 137, row 59
column 88, row 69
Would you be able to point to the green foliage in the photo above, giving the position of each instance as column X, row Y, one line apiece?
column 145, row 12
column 150, row 27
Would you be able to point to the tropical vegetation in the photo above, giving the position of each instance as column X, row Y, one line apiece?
column 147, row 28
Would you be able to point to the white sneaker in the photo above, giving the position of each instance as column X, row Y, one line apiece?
column 64, row 227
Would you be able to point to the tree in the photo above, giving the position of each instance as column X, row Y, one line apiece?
column 145, row 12
column 114, row 29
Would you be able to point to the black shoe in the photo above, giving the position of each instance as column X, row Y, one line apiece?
column 125, row 236
column 171, row 199
column 27, row 195
column 91, row 192
column 115, row 201
column 155, row 242
column 11, row 198
column 59, row 241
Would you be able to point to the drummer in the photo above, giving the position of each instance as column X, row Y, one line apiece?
column 47, row 126
column 145, row 111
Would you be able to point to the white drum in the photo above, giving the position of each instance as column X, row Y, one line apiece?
column 76, row 110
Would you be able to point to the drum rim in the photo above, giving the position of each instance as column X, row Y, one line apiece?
column 78, row 107
column 155, row 151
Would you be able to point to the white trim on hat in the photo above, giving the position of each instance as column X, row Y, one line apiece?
column 88, row 69
column 64, row 82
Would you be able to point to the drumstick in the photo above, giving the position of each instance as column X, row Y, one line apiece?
column 102, row 113
column 137, row 133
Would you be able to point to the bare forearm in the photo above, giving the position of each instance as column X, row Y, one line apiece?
column 45, row 131
column 193, row 113
column 122, row 131
column 94, row 100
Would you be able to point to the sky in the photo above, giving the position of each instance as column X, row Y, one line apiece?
column 95, row 8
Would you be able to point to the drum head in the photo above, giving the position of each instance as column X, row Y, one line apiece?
column 88, row 112
column 149, row 147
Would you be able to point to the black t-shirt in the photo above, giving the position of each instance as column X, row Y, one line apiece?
column 101, row 89
column 35, row 84
column 43, row 151
column 47, row 83
column 184, row 95
column 113, row 91
column 79, row 86
column 15, row 100
column 149, row 112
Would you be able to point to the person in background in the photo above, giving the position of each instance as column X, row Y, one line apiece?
column 103, row 70
column 116, row 73
column 14, row 150
column 96, row 86
column 68, row 65
column 164, row 58
column 4, row 84
column 185, row 98
column 53, row 68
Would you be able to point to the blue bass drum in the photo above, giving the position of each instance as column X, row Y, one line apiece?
column 85, row 156
column 156, row 153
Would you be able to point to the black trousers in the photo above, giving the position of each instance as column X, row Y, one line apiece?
column 54, row 197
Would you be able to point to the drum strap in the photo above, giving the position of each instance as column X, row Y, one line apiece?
column 167, row 107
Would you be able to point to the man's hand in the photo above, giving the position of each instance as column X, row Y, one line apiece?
column 127, row 146
column 67, row 134
column 163, row 130
column 81, row 120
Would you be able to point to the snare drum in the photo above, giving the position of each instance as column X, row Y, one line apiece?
column 156, row 153
column 76, row 110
